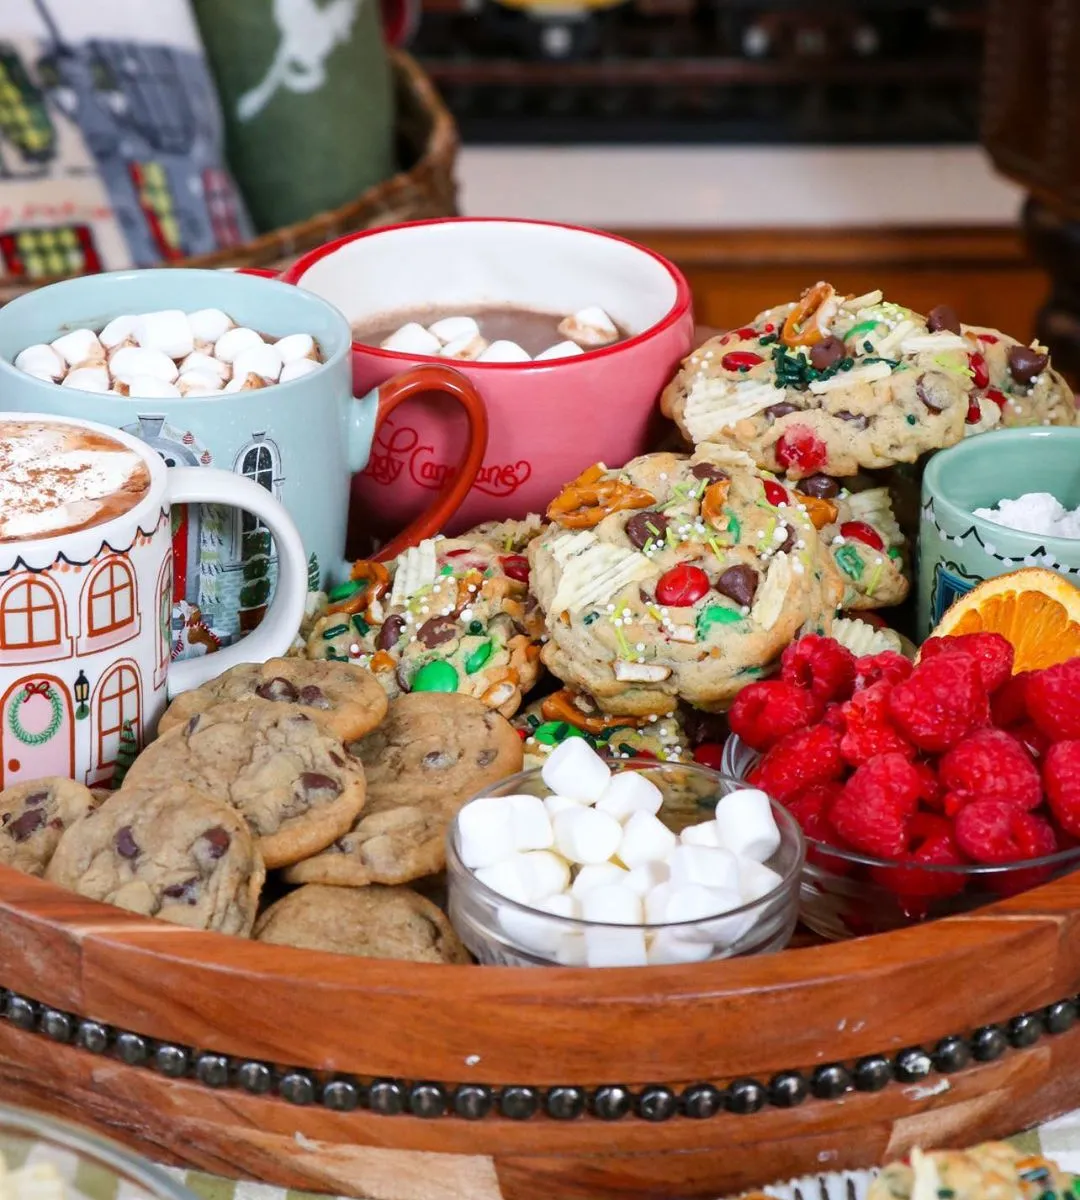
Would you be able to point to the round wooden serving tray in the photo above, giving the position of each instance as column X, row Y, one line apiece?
column 396, row 1080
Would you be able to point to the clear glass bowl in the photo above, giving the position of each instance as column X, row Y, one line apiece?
column 501, row 932
column 91, row 1167
column 847, row 894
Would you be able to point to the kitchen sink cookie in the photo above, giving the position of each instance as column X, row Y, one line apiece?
column 343, row 697
column 431, row 755
column 172, row 852
column 677, row 577
column 370, row 922
column 288, row 776
column 828, row 384
column 448, row 615
column 990, row 1171
column 1013, row 384
column 33, row 817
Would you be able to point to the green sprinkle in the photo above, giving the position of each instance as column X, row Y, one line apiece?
column 911, row 419
column 770, row 529
column 489, row 572
column 476, row 627
column 551, row 733
column 360, row 625
column 891, row 363
column 952, row 367
column 847, row 558
column 334, row 631
column 478, row 657
column 895, row 554
column 532, row 720
column 875, row 579
column 344, row 590
column 862, row 327
column 945, row 1193
column 715, row 547
column 846, row 364
column 868, row 347
column 753, row 671
column 437, row 676
column 652, row 529
column 734, row 528
column 335, row 657
column 620, row 637
column 715, row 614
column 446, row 570
column 768, row 339
column 1035, row 1174
column 627, row 749
column 590, row 617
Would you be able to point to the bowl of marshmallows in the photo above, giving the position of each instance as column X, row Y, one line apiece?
column 586, row 863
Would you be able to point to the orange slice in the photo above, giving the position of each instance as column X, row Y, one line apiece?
column 1037, row 610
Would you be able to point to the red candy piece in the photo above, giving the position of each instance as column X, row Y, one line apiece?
column 515, row 566
column 740, row 360
column 1053, row 700
column 1061, row 777
column 798, row 761
column 994, row 831
column 682, row 586
column 867, row 729
column 974, row 412
column 765, row 712
column 457, row 553
column 775, row 494
column 873, row 813
column 859, row 531
column 941, row 700
column 709, row 754
column 739, row 335
column 988, row 338
column 991, row 651
column 888, row 666
column 989, row 765
column 1008, row 705
column 931, row 844
column 999, row 398
column 801, row 448
column 821, row 665
column 980, row 372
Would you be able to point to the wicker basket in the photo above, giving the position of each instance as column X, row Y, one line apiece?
column 427, row 141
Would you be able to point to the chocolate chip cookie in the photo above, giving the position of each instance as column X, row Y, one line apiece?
column 449, row 615
column 1013, row 384
column 678, row 578
column 172, row 852
column 289, row 777
column 344, row 697
column 430, row 756
column 33, row 817
column 370, row 922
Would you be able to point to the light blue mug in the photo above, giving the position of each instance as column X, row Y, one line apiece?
column 302, row 440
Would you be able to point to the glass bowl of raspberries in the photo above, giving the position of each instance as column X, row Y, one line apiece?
column 923, row 789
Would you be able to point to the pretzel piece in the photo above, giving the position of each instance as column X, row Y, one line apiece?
column 810, row 320
column 590, row 498
column 560, row 706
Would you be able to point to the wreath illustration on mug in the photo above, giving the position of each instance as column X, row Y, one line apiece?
column 16, row 726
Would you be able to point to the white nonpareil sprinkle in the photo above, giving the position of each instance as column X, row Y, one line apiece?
column 1035, row 512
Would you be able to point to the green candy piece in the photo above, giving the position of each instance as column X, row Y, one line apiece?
column 478, row 657
column 733, row 525
column 344, row 590
column 847, row 558
column 334, row 631
column 360, row 625
column 437, row 676
column 447, row 570
column 715, row 614
column 551, row 733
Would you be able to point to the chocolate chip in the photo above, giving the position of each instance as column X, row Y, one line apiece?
column 311, row 783
column 942, row 317
column 125, row 843
column 218, row 840
column 437, row 760
column 824, row 487
column 1025, row 363
column 856, row 420
column 776, row 411
column 36, row 798
column 185, row 891
column 739, row 583
column 705, row 470
column 437, row 630
column 646, row 527
column 193, row 724
column 56, row 823
column 277, row 689
column 390, row 633
column 313, row 697
column 336, row 759
column 827, row 353
column 788, row 544
column 30, row 822
column 933, row 392
column 704, row 727
column 403, row 678
column 485, row 758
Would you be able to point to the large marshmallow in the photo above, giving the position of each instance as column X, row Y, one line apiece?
column 536, row 931
column 559, row 350
column 746, row 825
column 530, row 822
column 168, row 331
column 465, row 349
column 597, row 875
column 705, row 866
column 411, row 338
column 450, row 329
column 209, row 324
column 549, row 874
column 264, row 361
column 207, row 363
column 667, row 948
column 199, row 383
column 152, row 388
column 756, row 880
column 645, row 838
column 574, row 769
column 485, row 831
column 615, row 947
column 612, row 904
column 656, row 901
column 80, row 347
column 503, row 351
column 118, row 331
column 584, row 835
column 297, row 347
column 554, row 805
column 41, row 361
column 647, row 876
column 234, row 342
column 693, row 902
column 705, row 834
column 297, row 369
column 88, row 379
column 590, row 327
column 130, row 362
column 630, row 792
column 245, row 383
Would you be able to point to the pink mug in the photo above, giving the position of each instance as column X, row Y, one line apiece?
column 548, row 420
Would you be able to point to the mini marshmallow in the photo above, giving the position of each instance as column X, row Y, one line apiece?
column 656, row 902
column 41, row 361
column 530, row 823
column 168, row 331
column 646, row 876
column 485, row 831
column 615, row 948
column 711, row 868
column 465, row 349
column 207, row 363
column 504, row 352
column 234, row 342
column 574, row 769
column 199, row 383
column 118, row 331
column 644, row 839
column 589, row 327
column 746, row 824
column 247, row 383
column 297, row 369
column 597, row 875
column 88, row 379
column 411, row 338
column 559, row 350
column 150, row 387
column 209, row 324
column 630, row 792
column 297, row 347
column 756, row 880
column 508, row 878
column 667, row 948
column 705, row 834
column 80, row 347
column 131, row 361
column 548, row 873
column 557, row 804
column 584, row 835
column 452, row 329
column 264, row 361
column 571, row 951
column 535, row 932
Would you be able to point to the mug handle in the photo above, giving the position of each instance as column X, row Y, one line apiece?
column 278, row 629
column 454, row 385
column 261, row 272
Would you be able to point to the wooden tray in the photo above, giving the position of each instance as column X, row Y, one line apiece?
column 385, row 1079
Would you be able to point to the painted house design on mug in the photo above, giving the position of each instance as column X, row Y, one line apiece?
column 78, row 615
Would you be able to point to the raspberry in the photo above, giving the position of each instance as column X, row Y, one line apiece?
column 873, row 812
column 799, row 760
column 811, row 808
column 1053, row 700
column 867, row 729
column 1061, row 777
column 888, row 665
column 820, row 664
column 932, row 793
column 989, row 765
column 765, row 712
column 1008, row 706
column 1023, row 879
column 1032, row 738
column 709, row 754
column 939, row 702
column 991, row 651
column 801, row 448
column 994, row 832
column 930, row 843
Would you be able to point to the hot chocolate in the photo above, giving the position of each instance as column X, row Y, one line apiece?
column 57, row 478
